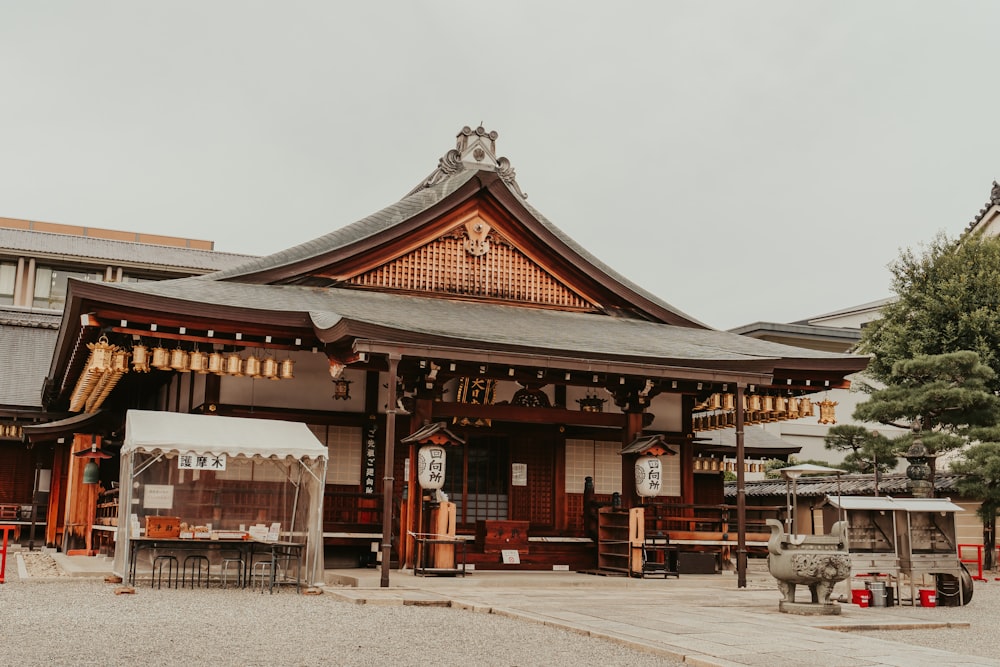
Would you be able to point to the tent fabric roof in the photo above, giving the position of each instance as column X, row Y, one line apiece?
column 890, row 503
column 147, row 431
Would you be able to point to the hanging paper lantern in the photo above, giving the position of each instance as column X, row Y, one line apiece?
column 216, row 363
column 161, row 358
column 648, row 476
column 431, row 466
column 198, row 362
column 140, row 358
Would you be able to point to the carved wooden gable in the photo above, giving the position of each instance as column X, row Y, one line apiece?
column 473, row 259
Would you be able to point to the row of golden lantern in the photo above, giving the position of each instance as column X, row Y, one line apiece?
column 218, row 363
column 713, row 464
column 720, row 410
column 11, row 431
column 107, row 363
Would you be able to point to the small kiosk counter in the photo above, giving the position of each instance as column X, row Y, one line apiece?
column 200, row 483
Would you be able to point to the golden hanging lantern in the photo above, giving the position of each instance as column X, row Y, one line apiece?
column 827, row 414
column 286, row 369
column 714, row 402
column 793, row 408
column 216, row 363
column 251, row 367
column 767, row 404
column 269, row 368
column 101, row 354
column 119, row 361
column 198, row 362
column 755, row 403
column 179, row 360
column 140, row 358
column 728, row 402
column 161, row 358
column 805, row 408
column 234, row 364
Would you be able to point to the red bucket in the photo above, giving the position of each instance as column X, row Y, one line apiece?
column 860, row 596
column 928, row 597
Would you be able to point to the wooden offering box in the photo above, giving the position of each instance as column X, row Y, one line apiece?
column 163, row 526
column 495, row 536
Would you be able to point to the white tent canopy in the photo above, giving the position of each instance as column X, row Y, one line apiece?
column 152, row 432
column 275, row 475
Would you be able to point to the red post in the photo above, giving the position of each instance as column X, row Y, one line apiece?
column 7, row 529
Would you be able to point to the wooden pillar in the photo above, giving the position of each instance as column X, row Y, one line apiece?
column 422, row 414
column 81, row 499
column 687, row 455
column 387, row 475
column 741, row 497
column 57, row 495
column 632, row 430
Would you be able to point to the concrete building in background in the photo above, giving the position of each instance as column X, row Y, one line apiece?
column 36, row 261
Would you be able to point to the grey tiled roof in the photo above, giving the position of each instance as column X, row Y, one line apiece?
column 412, row 204
column 118, row 253
column 753, row 436
column 25, row 353
column 491, row 325
column 392, row 215
column 850, row 485
column 29, row 317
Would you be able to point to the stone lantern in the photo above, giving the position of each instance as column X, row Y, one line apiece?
column 918, row 472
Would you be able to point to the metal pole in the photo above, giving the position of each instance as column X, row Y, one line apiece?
column 741, row 498
column 387, row 478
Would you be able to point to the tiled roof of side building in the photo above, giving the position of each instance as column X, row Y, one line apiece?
column 847, row 485
column 25, row 353
column 118, row 253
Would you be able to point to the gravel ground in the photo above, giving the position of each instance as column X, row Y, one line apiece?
column 981, row 638
column 72, row 621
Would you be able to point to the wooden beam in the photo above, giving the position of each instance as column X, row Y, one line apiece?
column 516, row 413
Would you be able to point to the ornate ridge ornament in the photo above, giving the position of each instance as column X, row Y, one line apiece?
column 475, row 148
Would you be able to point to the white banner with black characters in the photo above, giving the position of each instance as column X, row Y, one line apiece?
column 192, row 461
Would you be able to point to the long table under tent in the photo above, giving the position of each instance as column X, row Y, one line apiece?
column 203, row 483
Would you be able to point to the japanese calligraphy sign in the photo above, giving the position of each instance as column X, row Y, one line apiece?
column 648, row 476
column 475, row 391
column 193, row 461
column 369, row 470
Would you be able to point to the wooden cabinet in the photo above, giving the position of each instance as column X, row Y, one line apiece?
column 620, row 537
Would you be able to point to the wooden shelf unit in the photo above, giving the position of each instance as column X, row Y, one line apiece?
column 620, row 538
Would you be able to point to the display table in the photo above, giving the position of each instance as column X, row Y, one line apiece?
column 277, row 551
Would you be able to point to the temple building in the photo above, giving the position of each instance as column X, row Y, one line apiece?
column 459, row 317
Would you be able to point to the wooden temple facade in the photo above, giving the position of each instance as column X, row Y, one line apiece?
column 460, row 306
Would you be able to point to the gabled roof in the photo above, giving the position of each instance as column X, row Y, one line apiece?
column 311, row 293
column 464, row 176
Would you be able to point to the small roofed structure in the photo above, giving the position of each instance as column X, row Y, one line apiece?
column 922, row 541
column 652, row 445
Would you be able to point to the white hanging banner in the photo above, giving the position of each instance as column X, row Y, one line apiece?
column 192, row 461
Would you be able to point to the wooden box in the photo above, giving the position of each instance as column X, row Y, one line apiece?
column 495, row 536
column 163, row 526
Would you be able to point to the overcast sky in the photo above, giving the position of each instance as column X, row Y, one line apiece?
column 745, row 161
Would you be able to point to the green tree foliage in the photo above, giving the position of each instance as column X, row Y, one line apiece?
column 947, row 299
column 948, row 393
column 980, row 467
column 864, row 449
